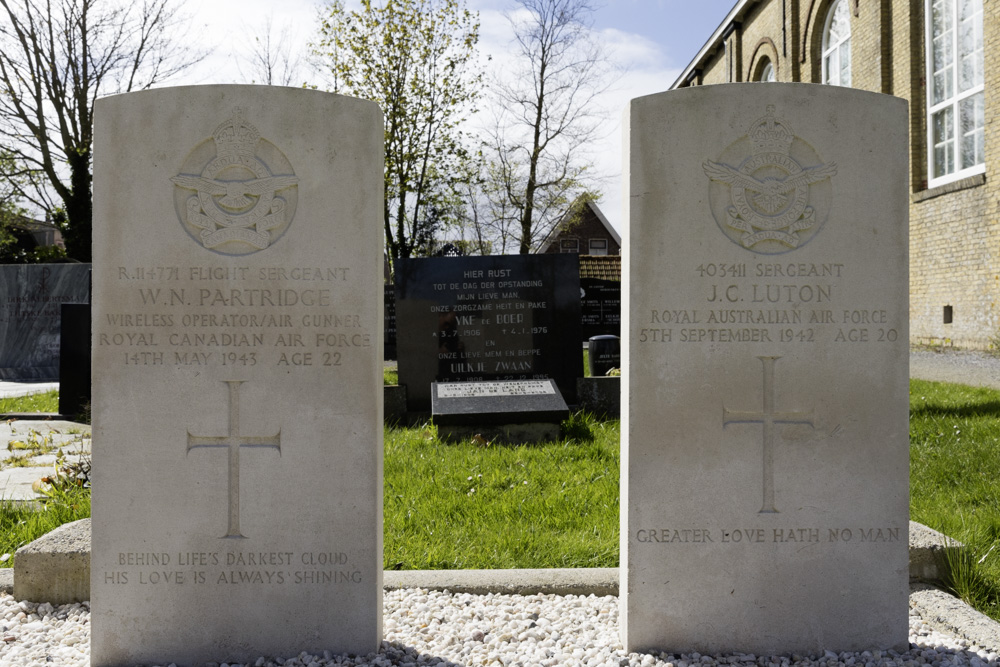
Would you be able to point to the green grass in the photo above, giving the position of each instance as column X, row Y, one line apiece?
column 47, row 402
column 480, row 506
column 21, row 523
column 955, row 481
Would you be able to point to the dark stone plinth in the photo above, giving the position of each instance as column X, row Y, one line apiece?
column 600, row 396
column 74, row 359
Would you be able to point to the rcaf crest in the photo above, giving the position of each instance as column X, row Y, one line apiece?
column 777, row 197
column 236, row 193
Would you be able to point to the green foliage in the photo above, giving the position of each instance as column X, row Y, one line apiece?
column 479, row 505
column 40, row 255
column 22, row 523
column 416, row 59
column 954, row 471
column 46, row 402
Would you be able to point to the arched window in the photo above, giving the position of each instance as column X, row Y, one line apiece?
column 765, row 71
column 837, row 45
column 956, row 115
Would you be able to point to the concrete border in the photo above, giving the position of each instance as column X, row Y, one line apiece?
column 950, row 615
column 563, row 581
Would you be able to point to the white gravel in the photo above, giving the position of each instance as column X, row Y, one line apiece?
column 428, row 628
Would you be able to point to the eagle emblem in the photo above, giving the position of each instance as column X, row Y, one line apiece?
column 770, row 208
column 243, row 197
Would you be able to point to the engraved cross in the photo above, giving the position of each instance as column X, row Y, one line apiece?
column 233, row 442
column 767, row 417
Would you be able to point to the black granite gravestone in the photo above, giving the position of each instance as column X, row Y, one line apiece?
column 600, row 307
column 30, row 299
column 603, row 353
column 389, row 323
column 465, row 319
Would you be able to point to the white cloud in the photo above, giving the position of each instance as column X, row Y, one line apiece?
column 227, row 23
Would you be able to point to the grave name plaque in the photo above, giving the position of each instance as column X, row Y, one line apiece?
column 237, row 375
column 765, row 445
column 468, row 319
column 507, row 411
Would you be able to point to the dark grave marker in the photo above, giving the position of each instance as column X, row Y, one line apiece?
column 475, row 319
column 30, row 300
column 74, row 359
column 600, row 307
column 511, row 411
column 389, row 339
column 604, row 353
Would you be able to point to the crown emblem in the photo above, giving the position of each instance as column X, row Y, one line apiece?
column 236, row 137
column 770, row 135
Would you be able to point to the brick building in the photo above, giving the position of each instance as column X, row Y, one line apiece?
column 943, row 57
column 584, row 230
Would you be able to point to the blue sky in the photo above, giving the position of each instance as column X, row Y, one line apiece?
column 679, row 27
column 652, row 40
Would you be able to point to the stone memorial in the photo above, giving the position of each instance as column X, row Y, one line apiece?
column 30, row 299
column 600, row 307
column 389, row 344
column 74, row 358
column 765, row 445
column 473, row 319
column 603, row 354
column 237, row 375
column 511, row 411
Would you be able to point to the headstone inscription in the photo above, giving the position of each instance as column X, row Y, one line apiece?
column 764, row 449
column 237, row 385
column 470, row 319
column 30, row 300
column 600, row 307
column 389, row 344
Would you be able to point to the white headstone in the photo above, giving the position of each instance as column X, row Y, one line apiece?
column 237, row 375
column 765, row 462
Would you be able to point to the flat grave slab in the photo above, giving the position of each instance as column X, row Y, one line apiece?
column 521, row 409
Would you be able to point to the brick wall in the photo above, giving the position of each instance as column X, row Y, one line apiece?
column 955, row 229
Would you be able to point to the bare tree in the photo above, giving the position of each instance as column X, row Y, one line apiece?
column 56, row 58
column 270, row 57
column 547, row 114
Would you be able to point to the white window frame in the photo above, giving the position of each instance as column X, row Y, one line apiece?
column 835, row 50
column 595, row 244
column 767, row 72
column 952, row 100
column 569, row 246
